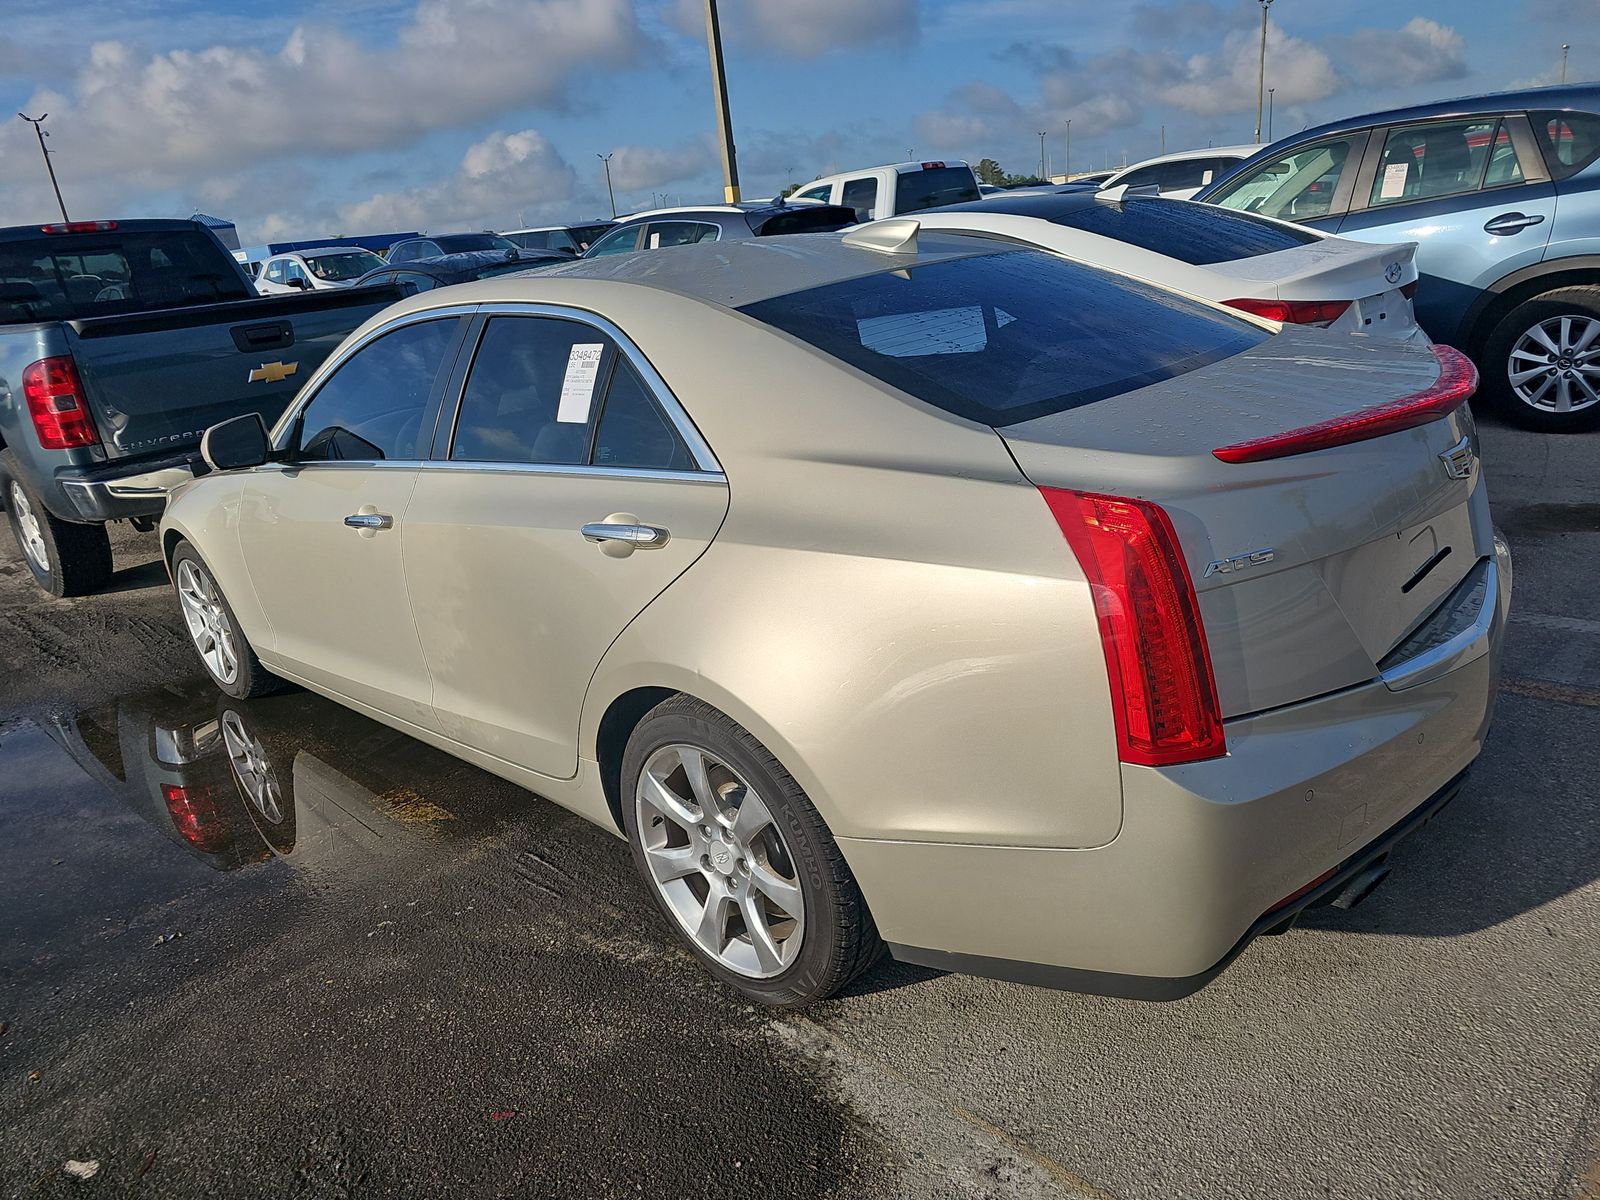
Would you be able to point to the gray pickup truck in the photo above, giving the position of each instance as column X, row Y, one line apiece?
column 120, row 343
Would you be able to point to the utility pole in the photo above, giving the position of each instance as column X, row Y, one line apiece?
column 38, row 128
column 719, row 83
column 1564, row 49
column 1163, row 139
column 1261, row 78
column 1042, row 167
column 610, row 195
column 1269, row 112
column 1067, row 168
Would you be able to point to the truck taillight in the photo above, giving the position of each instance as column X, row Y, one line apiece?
column 56, row 402
column 1294, row 312
column 79, row 227
column 194, row 815
column 1163, row 694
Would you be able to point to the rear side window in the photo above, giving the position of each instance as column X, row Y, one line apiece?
column 1570, row 140
column 633, row 431
column 1198, row 234
column 1004, row 338
column 63, row 276
column 372, row 406
column 917, row 190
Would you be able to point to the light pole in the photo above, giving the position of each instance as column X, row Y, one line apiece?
column 1261, row 78
column 719, row 82
column 1269, row 112
column 1042, row 167
column 610, row 195
column 1067, row 168
column 38, row 128
column 1564, row 49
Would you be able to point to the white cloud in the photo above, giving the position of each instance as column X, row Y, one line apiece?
column 1420, row 51
column 638, row 168
column 1227, row 81
column 806, row 28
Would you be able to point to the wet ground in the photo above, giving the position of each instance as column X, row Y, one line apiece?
column 275, row 949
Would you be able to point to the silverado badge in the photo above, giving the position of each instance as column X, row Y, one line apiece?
column 272, row 372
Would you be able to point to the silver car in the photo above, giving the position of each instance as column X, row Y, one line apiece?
column 881, row 589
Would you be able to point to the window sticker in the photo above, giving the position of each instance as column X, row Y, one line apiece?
column 1394, row 181
column 655, row 239
column 577, row 386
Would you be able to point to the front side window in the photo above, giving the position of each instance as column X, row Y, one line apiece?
column 1007, row 337
column 292, row 271
column 623, row 240
column 1296, row 187
column 1570, row 140
column 1442, row 158
column 372, row 406
column 861, row 195
column 275, row 271
column 822, row 193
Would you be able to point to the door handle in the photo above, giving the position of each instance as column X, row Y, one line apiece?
column 366, row 521
column 637, row 537
column 1511, row 222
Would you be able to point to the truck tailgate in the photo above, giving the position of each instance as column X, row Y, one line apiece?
column 156, row 380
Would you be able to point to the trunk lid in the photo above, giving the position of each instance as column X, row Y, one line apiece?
column 1309, row 569
column 1369, row 276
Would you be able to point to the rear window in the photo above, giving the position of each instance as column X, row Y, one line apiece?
column 460, row 243
column 917, row 190
column 62, row 277
column 1197, row 234
column 1004, row 338
column 803, row 218
column 1571, row 140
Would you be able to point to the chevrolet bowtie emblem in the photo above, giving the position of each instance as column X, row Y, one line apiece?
column 273, row 372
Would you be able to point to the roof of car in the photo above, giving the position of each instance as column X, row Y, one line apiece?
column 1565, row 95
column 736, row 273
column 1245, row 150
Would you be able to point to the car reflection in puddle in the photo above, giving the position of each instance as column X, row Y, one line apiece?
column 294, row 778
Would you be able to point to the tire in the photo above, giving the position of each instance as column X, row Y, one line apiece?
column 67, row 559
column 1574, row 309
column 214, row 631
column 783, row 849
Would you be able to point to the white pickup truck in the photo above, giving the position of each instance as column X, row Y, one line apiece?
column 896, row 189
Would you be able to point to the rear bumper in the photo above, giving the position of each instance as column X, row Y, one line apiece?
column 1209, row 854
column 115, row 491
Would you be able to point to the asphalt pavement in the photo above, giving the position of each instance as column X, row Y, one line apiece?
column 393, row 975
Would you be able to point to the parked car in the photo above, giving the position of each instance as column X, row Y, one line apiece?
column 896, row 189
column 567, row 239
column 662, row 227
column 1269, row 268
column 315, row 270
column 1179, row 176
column 1501, row 193
column 447, row 243
column 1095, row 177
column 871, row 575
column 425, row 274
column 120, row 341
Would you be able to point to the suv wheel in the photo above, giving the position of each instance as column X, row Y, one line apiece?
column 1541, row 364
column 67, row 559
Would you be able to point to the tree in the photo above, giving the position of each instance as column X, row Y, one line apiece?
column 990, row 172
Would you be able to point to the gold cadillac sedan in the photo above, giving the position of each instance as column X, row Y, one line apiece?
column 887, row 589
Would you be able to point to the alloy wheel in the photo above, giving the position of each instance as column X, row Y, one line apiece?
column 256, row 777
column 32, row 536
column 209, row 626
column 1555, row 365
column 720, row 861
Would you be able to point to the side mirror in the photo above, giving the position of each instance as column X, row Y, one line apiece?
column 299, row 282
column 236, row 443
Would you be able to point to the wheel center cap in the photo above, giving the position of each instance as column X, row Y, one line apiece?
column 723, row 857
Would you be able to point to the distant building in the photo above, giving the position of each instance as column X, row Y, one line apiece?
column 226, row 231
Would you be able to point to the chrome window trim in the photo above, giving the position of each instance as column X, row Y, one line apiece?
column 699, row 449
column 347, row 351
column 514, row 468
column 343, row 464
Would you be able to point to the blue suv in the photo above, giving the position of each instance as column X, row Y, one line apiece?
column 1501, row 194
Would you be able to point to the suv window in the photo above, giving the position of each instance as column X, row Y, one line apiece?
column 861, row 195
column 1199, row 234
column 1570, row 140
column 1193, row 172
column 934, row 187
column 372, row 406
column 679, row 233
column 822, row 193
column 1299, row 186
column 532, row 241
column 621, row 240
column 1442, row 158
column 1007, row 337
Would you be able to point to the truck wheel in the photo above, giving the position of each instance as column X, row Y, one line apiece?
column 67, row 559
column 1541, row 365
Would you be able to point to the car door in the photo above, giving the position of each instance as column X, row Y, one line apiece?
column 1473, row 193
column 320, row 532
column 569, row 491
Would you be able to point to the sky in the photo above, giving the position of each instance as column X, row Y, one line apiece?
column 310, row 118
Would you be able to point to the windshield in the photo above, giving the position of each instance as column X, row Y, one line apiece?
column 1003, row 338
column 337, row 268
column 459, row 243
column 57, row 277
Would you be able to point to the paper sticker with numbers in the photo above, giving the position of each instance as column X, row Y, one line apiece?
column 577, row 386
column 1394, row 181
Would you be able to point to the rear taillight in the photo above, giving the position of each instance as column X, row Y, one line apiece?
column 194, row 815
column 1458, row 379
column 1163, row 695
column 79, row 227
column 1294, row 312
column 1409, row 290
column 56, row 402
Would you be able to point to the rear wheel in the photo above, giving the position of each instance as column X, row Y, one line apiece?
column 739, row 861
column 214, row 631
column 67, row 559
column 1541, row 364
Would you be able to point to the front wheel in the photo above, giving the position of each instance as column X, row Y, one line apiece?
column 739, row 861
column 1541, row 364
column 65, row 558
